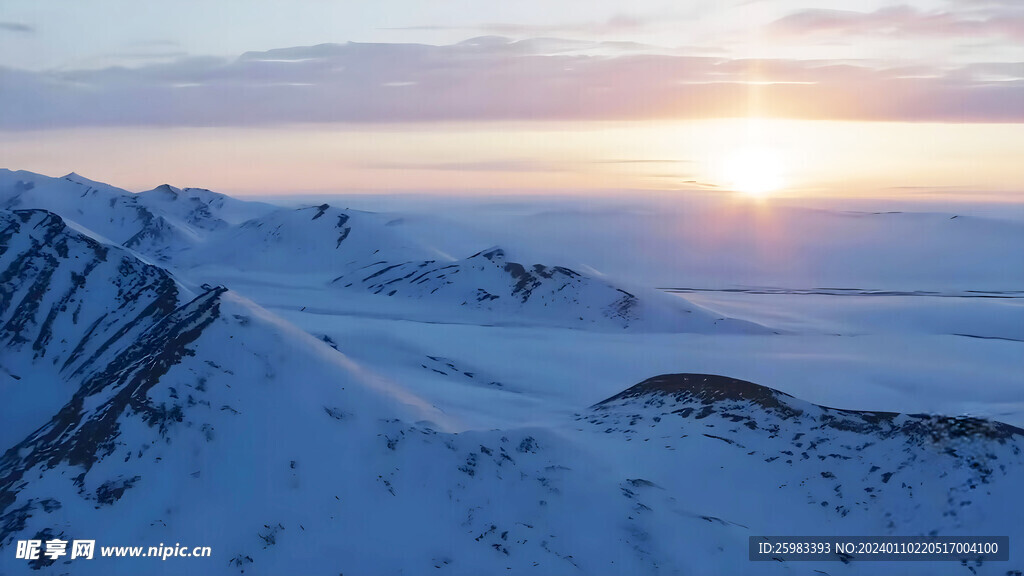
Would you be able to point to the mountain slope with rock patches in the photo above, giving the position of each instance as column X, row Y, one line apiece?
column 490, row 287
column 780, row 465
column 159, row 223
column 67, row 303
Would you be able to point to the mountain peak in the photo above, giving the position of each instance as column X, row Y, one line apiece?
column 79, row 179
column 739, row 400
column 494, row 254
column 706, row 388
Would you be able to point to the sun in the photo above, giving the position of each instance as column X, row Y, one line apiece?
column 755, row 171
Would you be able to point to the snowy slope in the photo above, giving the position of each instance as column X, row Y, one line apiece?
column 720, row 241
column 494, row 289
column 319, row 241
column 215, row 393
column 106, row 212
column 760, row 462
column 897, row 473
column 158, row 223
column 201, row 208
column 203, row 419
column 66, row 301
column 346, row 476
column 365, row 254
column 211, row 238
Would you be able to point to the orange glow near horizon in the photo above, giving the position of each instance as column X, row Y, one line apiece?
column 776, row 156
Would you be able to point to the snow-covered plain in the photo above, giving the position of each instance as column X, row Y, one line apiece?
column 869, row 308
column 352, row 404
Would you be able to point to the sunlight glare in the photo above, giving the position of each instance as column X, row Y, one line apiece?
column 755, row 171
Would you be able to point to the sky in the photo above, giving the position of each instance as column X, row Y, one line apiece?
column 763, row 96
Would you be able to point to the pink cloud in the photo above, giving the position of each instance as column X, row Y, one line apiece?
column 493, row 78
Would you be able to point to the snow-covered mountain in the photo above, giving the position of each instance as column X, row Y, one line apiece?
column 319, row 241
column 219, row 240
column 670, row 476
column 144, row 405
column 883, row 472
column 489, row 286
column 199, row 207
column 158, row 223
column 67, row 302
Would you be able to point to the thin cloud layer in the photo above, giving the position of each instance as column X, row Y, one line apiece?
column 992, row 21
column 616, row 23
column 493, row 79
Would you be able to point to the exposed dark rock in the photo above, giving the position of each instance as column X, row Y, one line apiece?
column 709, row 390
column 80, row 437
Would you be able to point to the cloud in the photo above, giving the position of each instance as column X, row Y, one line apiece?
column 155, row 43
column 614, row 24
column 519, row 165
column 642, row 161
column 147, row 55
column 498, row 165
column 982, row 20
column 16, row 27
column 494, row 79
